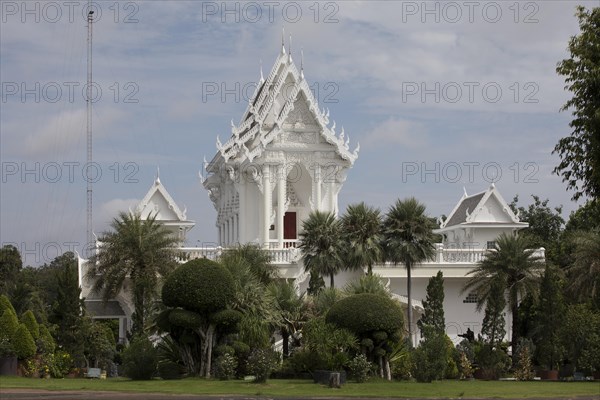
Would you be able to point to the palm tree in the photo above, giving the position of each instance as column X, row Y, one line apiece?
column 292, row 312
column 408, row 239
column 584, row 273
column 141, row 250
column 513, row 266
column 361, row 229
column 321, row 244
column 257, row 260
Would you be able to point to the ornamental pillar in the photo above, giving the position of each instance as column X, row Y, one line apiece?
column 241, row 219
column 281, row 182
column 317, row 185
column 267, row 204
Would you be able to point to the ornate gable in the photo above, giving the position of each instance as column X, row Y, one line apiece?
column 283, row 101
column 487, row 207
column 158, row 201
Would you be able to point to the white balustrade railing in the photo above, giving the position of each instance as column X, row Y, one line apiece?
column 291, row 254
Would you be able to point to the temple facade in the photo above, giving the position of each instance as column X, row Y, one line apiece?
column 285, row 159
column 282, row 161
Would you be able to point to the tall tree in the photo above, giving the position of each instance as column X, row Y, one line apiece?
column 141, row 250
column 321, row 245
column 545, row 224
column 408, row 239
column 361, row 230
column 584, row 273
column 493, row 327
column 66, row 311
column 433, row 315
column 512, row 265
column 550, row 318
column 10, row 266
column 580, row 152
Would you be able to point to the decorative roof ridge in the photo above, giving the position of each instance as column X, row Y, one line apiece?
column 160, row 188
column 259, row 107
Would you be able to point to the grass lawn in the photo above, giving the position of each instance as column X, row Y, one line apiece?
column 305, row 388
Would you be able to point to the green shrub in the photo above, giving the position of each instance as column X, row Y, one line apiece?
column 5, row 304
column 430, row 358
column 225, row 367
column 45, row 342
column 170, row 370
column 260, row 364
column 200, row 285
column 366, row 312
column 465, row 367
column 23, row 343
column 31, row 323
column 140, row 359
column 361, row 368
column 495, row 361
column 8, row 325
column 185, row 318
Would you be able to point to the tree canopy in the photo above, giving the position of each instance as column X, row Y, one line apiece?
column 580, row 152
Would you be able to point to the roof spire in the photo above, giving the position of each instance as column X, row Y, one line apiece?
column 262, row 78
column 282, row 40
column 157, row 180
column 301, row 63
column 290, row 49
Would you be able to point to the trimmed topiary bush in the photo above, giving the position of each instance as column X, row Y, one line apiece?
column 209, row 287
column 45, row 343
column 31, row 323
column 140, row 359
column 8, row 325
column 5, row 304
column 23, row 343
column 185, row 318
column 366, row 312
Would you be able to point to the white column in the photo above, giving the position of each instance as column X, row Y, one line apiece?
column 280, row 203
column 331, row 196
column 317, row 200
column 236, row 232
column 267, row 204
column 220, row 235
column 242, row 209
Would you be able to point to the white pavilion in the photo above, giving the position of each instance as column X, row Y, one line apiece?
column 283, row 160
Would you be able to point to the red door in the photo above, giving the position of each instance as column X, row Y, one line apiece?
column 289, row 226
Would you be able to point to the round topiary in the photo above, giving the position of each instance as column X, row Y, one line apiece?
column 227, row 320
column 31, row 323
column 366, row 312
column 23, row 343
column 199, row 285
column 185, row 318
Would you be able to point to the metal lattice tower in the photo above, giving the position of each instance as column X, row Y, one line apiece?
column 89, row 224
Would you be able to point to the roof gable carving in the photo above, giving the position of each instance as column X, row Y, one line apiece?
column 484, row 207
column 160, row 203
column 282, row 99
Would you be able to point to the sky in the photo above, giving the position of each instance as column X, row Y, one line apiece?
column 441, row 96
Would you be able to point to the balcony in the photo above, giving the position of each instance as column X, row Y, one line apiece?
column 454, row 262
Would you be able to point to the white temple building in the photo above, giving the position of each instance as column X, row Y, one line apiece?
column 285, row 159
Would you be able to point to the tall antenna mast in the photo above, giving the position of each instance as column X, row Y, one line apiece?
column 89, row 226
